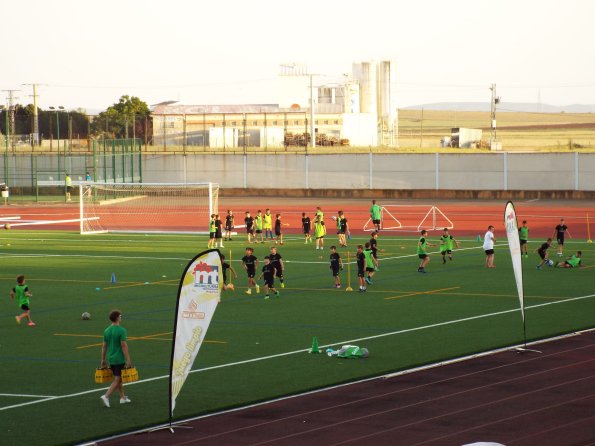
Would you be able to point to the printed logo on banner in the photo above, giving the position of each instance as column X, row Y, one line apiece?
column 191, row 312
column 206, row 277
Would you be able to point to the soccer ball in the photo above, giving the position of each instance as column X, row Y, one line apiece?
column 6, row 225
column 334, row 218
column 86, row 316
column 550, row 263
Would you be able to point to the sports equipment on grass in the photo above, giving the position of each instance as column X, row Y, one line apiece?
column 399, row 217
column 86, row 316
column 147, row 207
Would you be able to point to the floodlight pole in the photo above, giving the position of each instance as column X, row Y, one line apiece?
column 313, row 137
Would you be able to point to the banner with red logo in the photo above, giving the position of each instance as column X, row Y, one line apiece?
column 198, row 295
column 514, row 244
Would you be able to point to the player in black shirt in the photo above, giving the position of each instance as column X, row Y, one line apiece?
column 250, row 263
column 374, row 245
column 361, row 268
column 559, row 233
column 268, row 272
column 542, row 252
column 228, row 224
column 277, row 262
column 343, row 229
column 218, row 232
column 249, row 221
column 278, row 232
column 336, row 265
column 306, row 225
column 226, row 266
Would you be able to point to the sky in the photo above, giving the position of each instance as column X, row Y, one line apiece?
column 87, row 54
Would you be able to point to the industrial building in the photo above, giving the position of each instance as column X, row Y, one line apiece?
column 355, row 110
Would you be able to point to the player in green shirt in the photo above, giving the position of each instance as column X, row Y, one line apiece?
column 524, row 238
column 319, row 233
column 375, row 215
column 574, row 261
column 422, row 251
column 22, row 293
column 115, row 352
column 447, row 242
column 371, row 263
column 258, row 225
column 212, row 231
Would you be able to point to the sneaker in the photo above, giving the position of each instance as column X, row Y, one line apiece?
column 444, row 260
column 257, row 289
column 266, row 297
column 317, row 247
column 538, row 267
column 276, row 293
column 282, row 285
column 423, row 271
column 368, row 281
column 125, row 400
column 221, row 246
column 105, row 400
column 338, row 286
column 248, row 291
column 31, row 324
column 18, row 319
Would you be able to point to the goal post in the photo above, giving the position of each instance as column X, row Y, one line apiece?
column 400, row 217
column 147, row 207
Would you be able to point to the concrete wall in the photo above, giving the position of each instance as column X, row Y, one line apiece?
column 368, row 171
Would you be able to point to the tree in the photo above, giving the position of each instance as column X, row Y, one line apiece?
column 123, row 119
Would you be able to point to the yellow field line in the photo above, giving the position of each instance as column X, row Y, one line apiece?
column 152, row 337
column 423, row 292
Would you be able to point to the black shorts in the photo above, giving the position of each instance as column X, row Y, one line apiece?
column 228, row 228
column 68, row 188
column 249, row 230
column 542, row 254
column 116, row 369
column 489, row 252
column 212, row 234
column 269, row 282
column 335, row 271
column 560, row 240
column 307, row 230
column 376, row 222
column 369, row 269
column 277, row 232
column 25, row 307
column 448, row 251
column 422, row 256
column 279, row 273
column 523, row 242
column 259, row 231
column 360, row 272
column 218, row 234
column 251, row 273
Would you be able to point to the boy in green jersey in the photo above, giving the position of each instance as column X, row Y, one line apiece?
column 268, row 224
column 319, row 233
column 447, row 242
column 375, row 215
column 115, row 352
column 22, row 293
column 258, row 225
column 212, row 232
column 574, row 261
column 524, row 238
column 371, row 263
column 422, row 251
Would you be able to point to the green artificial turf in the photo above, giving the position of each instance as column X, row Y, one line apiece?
column 255, row 349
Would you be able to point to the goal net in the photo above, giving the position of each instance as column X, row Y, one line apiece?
column 147, row 207
column 399, row 217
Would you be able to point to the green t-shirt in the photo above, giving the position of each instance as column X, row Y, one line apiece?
column 22, row 298
column 369, row 261
column 375, row 211
column 268, row 221
column 524, row 233
column 258, row 222
column 212, row 226
column 320, row 215
column 574, row 261
column 421, row 247
column 68, row 181
column 113, row 337
column 446, row 243
column 319, row 230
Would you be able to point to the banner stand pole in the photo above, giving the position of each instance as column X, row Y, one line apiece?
column 521, row 350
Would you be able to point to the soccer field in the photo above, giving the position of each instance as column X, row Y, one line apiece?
column 254, row 350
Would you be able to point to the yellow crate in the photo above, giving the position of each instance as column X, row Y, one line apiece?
column 103, row 375
column 129, row 374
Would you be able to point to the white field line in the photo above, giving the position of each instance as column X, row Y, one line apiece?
column 19, row 395
column 9, row 219
column 279, row 355
column 50, row 222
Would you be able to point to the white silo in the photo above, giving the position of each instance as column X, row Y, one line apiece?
column 365, row 74
column 386, row 105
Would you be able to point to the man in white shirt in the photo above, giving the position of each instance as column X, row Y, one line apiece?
column 488, row 247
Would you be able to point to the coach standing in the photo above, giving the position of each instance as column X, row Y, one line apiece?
column 116, row 350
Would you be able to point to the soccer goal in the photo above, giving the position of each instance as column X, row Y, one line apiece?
column 147, row 207
column 398, row 217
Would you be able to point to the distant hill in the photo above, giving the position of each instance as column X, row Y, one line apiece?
column 529, row 107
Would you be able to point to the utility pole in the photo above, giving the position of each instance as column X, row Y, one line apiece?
column 495, row 101
column 11, row 127
column 312, row 126
column 35, row 141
